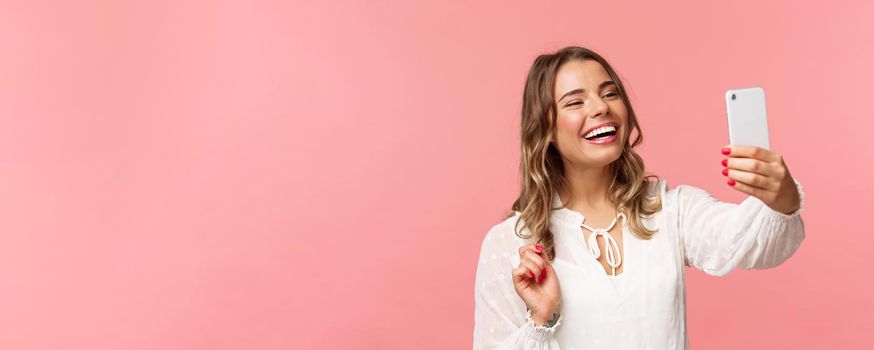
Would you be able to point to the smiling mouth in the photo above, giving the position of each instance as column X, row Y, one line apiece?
column 602, row 133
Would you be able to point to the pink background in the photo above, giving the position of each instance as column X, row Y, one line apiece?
column 266, row 175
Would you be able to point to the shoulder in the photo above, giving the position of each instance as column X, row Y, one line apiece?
column 503, row 235
column 500, row 245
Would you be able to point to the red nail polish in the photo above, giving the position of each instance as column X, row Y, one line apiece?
column 543, row 274
column 725, row 162
column 731, row 182
column 725, row 172
column 539, row 279
column 531, row 273
column 726, row 150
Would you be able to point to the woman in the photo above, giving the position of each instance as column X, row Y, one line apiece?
column 593, row 254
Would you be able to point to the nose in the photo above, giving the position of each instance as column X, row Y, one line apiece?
column 599, row 108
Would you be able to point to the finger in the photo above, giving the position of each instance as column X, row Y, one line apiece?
column 749, row 189
column 528, row 247
column 753, row 179
column 749, row 165
column 520, row 273
column 532, row 269
column 539, row 261
column 754, row 152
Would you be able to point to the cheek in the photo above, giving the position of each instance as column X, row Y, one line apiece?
column 620, row 111
column 568, row 125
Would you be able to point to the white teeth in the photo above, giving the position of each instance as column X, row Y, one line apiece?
column 600, row 130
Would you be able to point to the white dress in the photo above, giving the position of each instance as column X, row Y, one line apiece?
column 643, row 307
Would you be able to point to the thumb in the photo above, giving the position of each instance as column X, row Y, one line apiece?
column 519, row 274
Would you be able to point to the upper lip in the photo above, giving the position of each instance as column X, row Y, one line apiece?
column 602, row 125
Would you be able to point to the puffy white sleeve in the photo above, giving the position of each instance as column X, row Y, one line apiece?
column 719, row 236
column 501, row 318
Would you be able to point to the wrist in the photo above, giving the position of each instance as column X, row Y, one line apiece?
column 545, row 320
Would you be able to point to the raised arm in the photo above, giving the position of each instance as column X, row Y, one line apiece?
column 761, row 232
column 719, row 236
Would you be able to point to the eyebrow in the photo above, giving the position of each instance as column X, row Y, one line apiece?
column 577, row 91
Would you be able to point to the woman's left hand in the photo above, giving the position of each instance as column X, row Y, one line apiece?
column 762, row 174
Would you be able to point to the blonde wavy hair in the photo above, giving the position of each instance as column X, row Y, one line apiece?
column 541, row 166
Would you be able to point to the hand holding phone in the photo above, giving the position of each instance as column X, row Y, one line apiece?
column 751, row 166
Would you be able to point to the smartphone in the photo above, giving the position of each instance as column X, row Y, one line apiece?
column 747, row 117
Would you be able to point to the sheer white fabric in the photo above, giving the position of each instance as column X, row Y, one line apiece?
column 644, row 306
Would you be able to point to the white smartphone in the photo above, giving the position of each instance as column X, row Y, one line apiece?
column 747, row 117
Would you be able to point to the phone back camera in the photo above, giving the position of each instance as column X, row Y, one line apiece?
column 733, row 96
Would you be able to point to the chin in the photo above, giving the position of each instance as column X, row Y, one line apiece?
column 605, row 156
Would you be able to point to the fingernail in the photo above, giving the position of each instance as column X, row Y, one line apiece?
column 542, row 273
column 731, row 182
column 725, row 172
column 726, row 150
column 531, row 273
column 538, row 247
column 725, row 162
column 539, row 279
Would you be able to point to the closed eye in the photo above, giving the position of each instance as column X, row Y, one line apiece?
column 610, row 94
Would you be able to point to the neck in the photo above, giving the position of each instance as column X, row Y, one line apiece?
column 587, row 187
